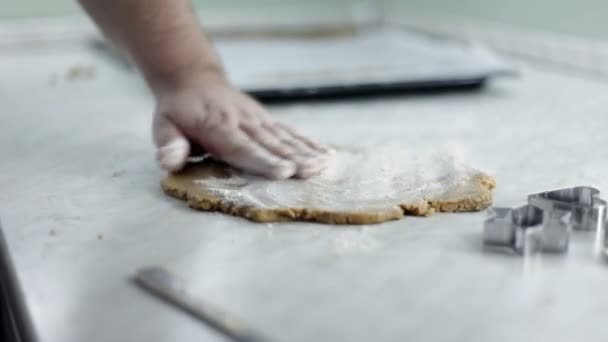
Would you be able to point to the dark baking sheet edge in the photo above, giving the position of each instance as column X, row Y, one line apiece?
column 16, row 319
column 366, row 90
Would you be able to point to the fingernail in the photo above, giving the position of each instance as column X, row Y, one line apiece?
column 302, row 162
column 308, row 161
column 173, row 155
column 313, row 169
column 283, row 170
column 309, row 172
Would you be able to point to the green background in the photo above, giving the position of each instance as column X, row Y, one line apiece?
column 582, row 17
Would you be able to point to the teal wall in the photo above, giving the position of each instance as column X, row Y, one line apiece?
column 30, row 8
column 580, row 17
column 584, row 17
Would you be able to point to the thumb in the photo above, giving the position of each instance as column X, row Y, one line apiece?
column 172, row 147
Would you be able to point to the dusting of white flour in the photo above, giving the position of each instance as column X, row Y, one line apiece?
column 347, row 243
column 354, row 181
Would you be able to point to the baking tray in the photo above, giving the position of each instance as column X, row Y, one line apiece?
column 275, row 64
column 366, row 61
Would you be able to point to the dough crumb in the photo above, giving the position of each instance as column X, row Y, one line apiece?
column 53, row 232
column 80, row 72
column 354, row 243
column 117, row 174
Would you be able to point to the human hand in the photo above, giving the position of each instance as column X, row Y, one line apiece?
column 195, row 103
column 232, row 127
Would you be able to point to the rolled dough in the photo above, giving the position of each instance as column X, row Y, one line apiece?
column 359, row 187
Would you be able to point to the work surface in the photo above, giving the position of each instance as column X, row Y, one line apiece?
column 82, row 209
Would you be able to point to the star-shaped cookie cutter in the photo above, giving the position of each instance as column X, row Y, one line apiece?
column 545, row 223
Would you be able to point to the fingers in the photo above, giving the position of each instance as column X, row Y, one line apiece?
column 238, row 131
column 268, row 140
column 308, row 162
column 314, row 167
column 298, row 142
column 310, row 157
column 233, row 146
column 172, row 147
column 311, row 144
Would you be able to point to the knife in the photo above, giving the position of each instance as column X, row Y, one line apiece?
column 168, row 287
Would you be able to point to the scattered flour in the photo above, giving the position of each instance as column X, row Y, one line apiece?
column 355, row 180
column 348, row 243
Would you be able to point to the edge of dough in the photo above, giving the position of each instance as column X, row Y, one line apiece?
column 173, row 185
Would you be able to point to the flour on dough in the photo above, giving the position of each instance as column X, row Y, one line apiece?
column 359, row 187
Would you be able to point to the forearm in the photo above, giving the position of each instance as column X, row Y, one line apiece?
column 163, row 37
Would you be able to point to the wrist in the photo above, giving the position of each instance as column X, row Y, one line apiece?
column 187, row 76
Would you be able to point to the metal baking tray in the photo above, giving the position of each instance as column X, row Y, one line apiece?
column 357, row 62
column 346, row 60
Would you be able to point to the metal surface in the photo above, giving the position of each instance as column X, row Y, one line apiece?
column 583, row 203
column 349, row 61
column 371, row 60
column 82, row 208
column 519, row 230
column 545, row 223
column 170, row 288
column 527, row 230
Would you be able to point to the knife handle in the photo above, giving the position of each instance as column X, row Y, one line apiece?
column 171, row 289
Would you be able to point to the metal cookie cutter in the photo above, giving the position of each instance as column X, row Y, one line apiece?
column 525, row 230
column 544, row 224
column 587, row 210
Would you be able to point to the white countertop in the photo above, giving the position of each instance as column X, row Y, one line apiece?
column 77, row 160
